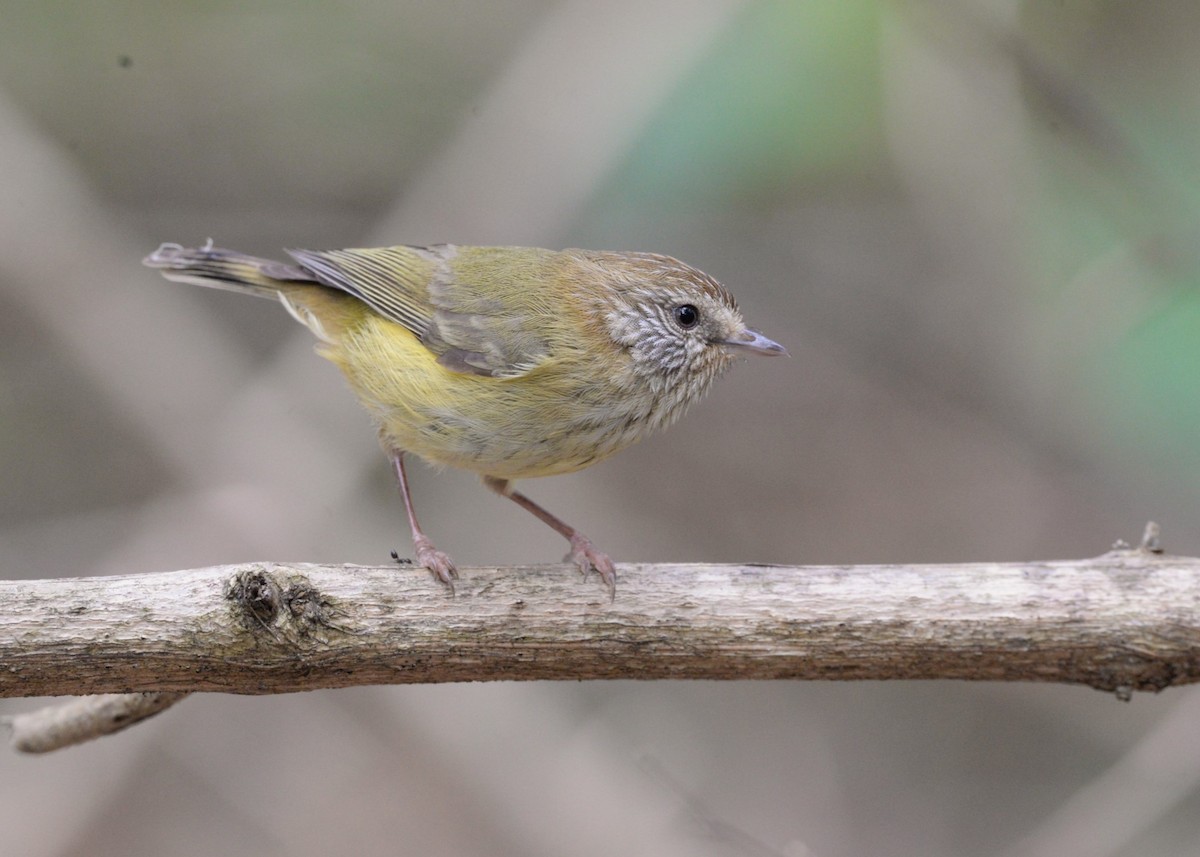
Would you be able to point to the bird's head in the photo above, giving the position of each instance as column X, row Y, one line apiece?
column 678, row 325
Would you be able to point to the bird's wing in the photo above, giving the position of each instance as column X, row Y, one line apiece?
column 474, row 307
column 393, row 281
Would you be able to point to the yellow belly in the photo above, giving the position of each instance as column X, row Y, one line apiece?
column 555, row 419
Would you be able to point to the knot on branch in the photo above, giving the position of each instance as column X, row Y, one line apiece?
column 280, row 602
column 256, row 595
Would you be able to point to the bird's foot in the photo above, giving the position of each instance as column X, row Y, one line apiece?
column 584, row 554
column 433, row 559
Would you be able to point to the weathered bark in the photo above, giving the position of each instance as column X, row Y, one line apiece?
column 1128, row 620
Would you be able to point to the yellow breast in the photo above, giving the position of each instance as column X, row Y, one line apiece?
column 563, row 415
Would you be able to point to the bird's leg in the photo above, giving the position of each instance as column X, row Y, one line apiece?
column 427, row 555
column 583, row 553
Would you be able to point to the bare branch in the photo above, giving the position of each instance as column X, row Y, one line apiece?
column 1128, row 620
column 83, row 719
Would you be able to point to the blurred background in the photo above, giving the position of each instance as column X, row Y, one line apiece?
column 973, row 224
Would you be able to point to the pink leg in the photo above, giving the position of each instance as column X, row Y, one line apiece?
column 583, row 553
column 427, row 555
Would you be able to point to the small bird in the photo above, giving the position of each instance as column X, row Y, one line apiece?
column 510, row 362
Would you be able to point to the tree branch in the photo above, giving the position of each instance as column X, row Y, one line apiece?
column 58, row 726
column 1128, row 620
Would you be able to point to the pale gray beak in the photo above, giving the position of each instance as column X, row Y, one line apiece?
column 752, row 340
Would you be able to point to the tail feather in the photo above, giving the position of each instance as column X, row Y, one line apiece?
column 225, row 269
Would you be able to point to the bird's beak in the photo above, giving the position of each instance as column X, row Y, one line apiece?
column 752, row 340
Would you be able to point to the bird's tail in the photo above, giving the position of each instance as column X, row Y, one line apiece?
column 226, row 269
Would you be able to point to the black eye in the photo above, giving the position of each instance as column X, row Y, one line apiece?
column 687, row 316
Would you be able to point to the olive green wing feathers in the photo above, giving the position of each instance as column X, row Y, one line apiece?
column 390, row 280
column 476, row 308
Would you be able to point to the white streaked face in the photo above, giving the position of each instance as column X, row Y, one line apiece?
column 675, row 331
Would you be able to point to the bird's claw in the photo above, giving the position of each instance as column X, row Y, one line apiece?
column 584, row 554
column 433, row 559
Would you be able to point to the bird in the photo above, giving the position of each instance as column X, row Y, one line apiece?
column 509, row 362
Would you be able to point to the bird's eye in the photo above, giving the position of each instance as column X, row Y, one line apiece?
column 687, row 316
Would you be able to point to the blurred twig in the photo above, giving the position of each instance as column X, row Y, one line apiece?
column 83, row 719
column 1128, row 620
